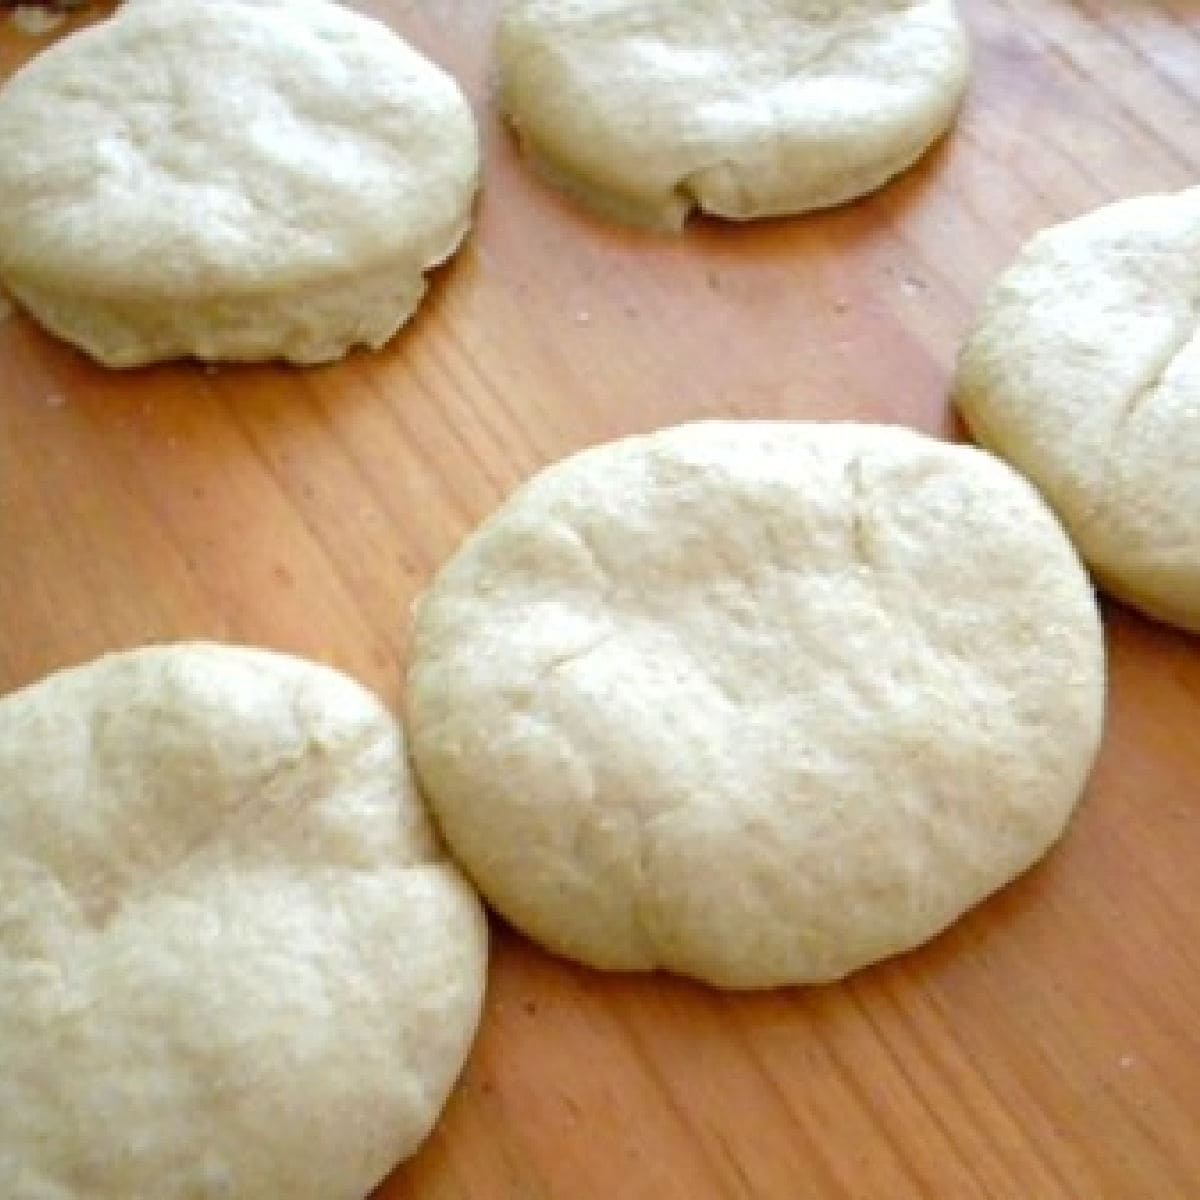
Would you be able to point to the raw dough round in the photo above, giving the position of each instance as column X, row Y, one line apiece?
column 747, row 108
column 1084, row 372
column 234, row 961
column 230, row 181
column 757, row 703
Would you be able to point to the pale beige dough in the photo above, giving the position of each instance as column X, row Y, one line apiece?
column 230, row 180
column 751, row 108
column 1083, row 370
column 234, row 960
column 757, row 703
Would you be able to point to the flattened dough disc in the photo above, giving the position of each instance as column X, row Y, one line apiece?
column 758, row 703
column 750, row 108
column 1084, row 372
column 230, row 180
column 234, row 960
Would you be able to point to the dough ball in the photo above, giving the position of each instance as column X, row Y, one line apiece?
column 233, row 959
column 230, row 180
column 645, row 109
column 757, row 703
column 1084, row 372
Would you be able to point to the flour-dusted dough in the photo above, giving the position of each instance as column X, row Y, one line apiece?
column 230, row 181
column 233, row 960
column 1084, row 372
column 758, row 703
column 746, row 108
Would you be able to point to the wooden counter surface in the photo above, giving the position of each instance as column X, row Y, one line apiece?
column 1048, row 1046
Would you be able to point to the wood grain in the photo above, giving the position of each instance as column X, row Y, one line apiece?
column 1047, row 1046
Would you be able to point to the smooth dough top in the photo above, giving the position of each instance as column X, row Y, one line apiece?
column 1084, row 372
column 758, row 703
column 747, row 108
column 234, row 961
column 196, row 150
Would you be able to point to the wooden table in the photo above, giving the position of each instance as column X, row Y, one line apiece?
column 1048, row 1046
